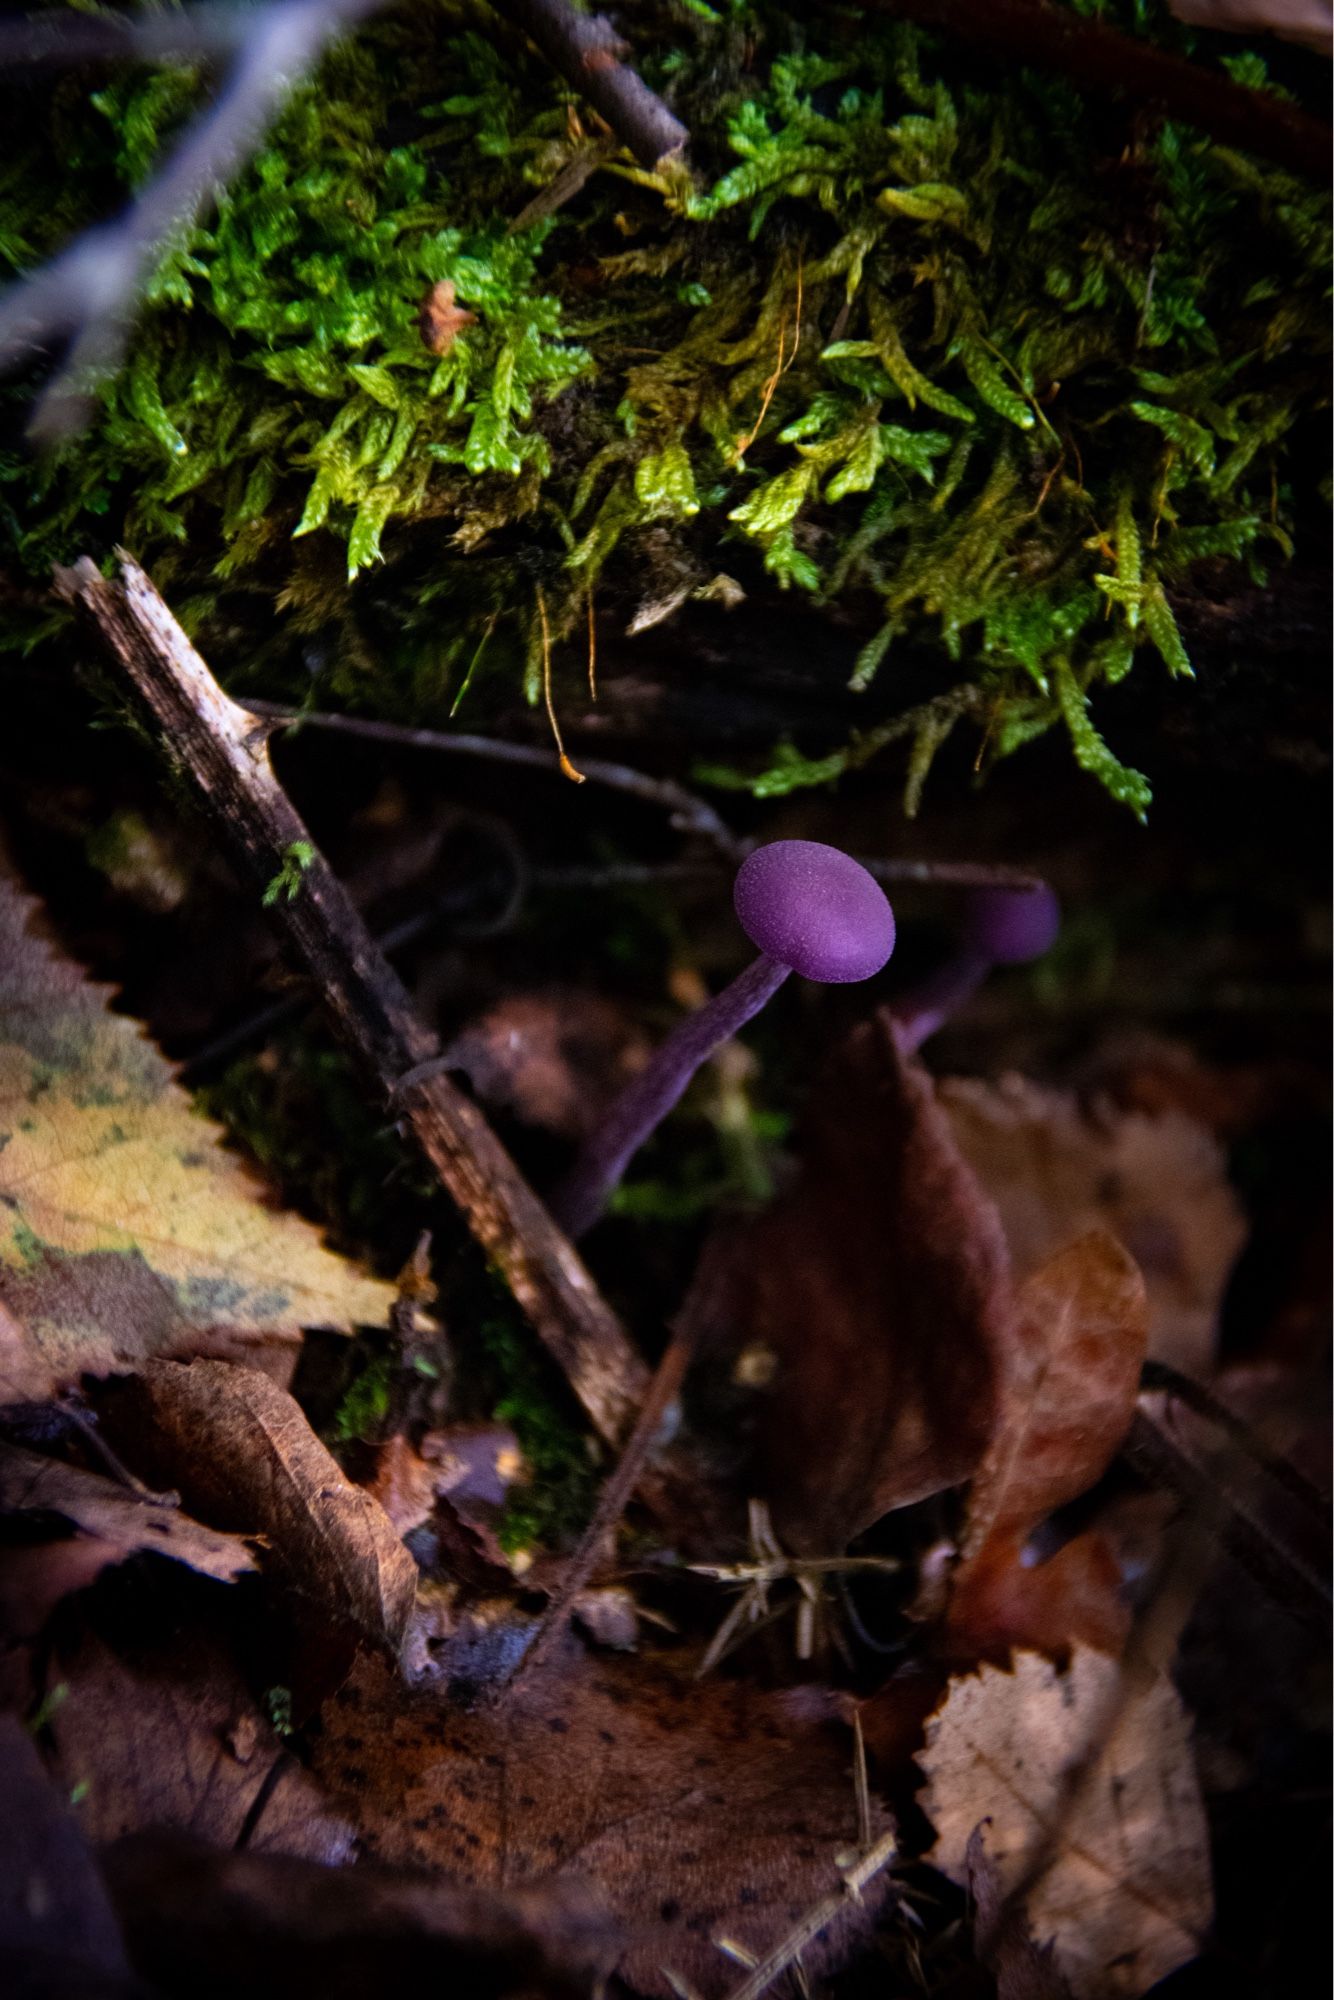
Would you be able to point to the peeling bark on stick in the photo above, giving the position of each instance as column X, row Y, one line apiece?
column 222, row 753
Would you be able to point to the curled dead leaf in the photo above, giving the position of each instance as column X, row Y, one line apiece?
column 242, row 1454
column 113, row 1523
column 440, row 320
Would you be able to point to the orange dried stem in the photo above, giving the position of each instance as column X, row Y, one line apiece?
column 784, row 362
column 592, row 650
column 567, row 768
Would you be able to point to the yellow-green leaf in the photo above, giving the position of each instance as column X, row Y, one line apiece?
column 127, row 1228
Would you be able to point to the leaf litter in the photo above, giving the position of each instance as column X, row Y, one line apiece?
column 935, row 1318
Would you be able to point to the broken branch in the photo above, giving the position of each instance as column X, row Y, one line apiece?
column 1107, row 64
column 586, row 50
column 223, row 755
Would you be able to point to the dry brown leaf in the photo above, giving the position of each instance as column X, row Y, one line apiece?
column 1088, row 1780
column 216, row 1925
column 168, row 1735
column 114, row 1524
column 879, row 1285
column 1072, row 1377
column 1001, row 1935
column 556, row 1059
column 241, row 1453
column 704, row 1810
column 126, row 1227
column 1056, row 1170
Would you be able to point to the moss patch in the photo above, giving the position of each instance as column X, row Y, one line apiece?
column 922, row 337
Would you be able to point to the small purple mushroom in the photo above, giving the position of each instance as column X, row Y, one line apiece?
column 1000, row 927
column 810, row 909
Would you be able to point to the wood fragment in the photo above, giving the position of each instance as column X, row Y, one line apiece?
column 818, row 1918
column 222, row 753
column 1105, row 63
column 586, row 50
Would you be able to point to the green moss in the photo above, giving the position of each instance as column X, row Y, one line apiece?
column 558, row 1498
column 301, row 1110
column 919, row 334
column 364, row 1409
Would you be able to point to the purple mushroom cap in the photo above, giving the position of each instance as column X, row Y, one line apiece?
column 1012, row 926
column 814, row 909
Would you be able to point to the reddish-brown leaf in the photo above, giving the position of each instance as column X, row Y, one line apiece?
column 1067, row 1399
column 113, row 1524
column 166, row 1733
column 703, row 1810
column 879, row 1285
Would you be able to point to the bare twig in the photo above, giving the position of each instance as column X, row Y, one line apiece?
column 61, row 36
column 953, row 874
column 88, row 294
column 1185, row 1389
column 688, row 813
column 1288, row 1580
column 696, row 1314
column 817, row 1919
column 565, row 185
column 1105, row 63
column 223, row 756
column 586, row 50
column 614, row 1498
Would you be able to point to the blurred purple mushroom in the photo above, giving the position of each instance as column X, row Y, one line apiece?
column 810, row 909
column 1000, row 927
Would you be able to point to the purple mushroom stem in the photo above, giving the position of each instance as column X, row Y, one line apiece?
column 809, row 909
column 1000, row 927
column 924, row 1011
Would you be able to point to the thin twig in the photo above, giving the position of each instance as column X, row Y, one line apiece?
column 953, row 874
column 817, row 1919
column 564, row 186
column 1104, row 63
column 218, row 750
column 614, row 1498
column 88, row 294
column 111, row 1460
column 688, row 813
column 1160, row 1375
column 62, row 37
column 586, row 50
column 1286, row 1578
